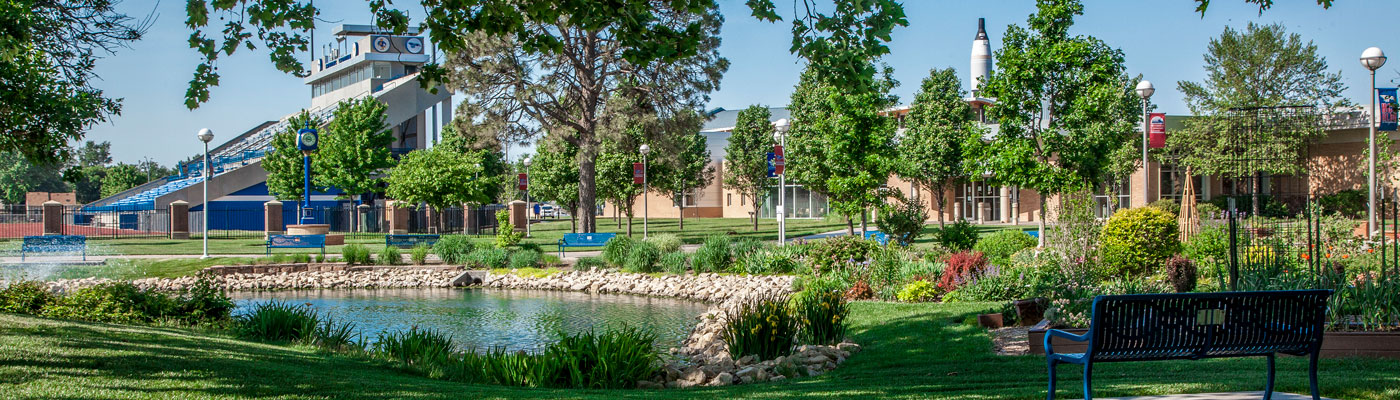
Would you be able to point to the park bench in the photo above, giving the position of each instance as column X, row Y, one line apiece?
column 879, row 237
column 54, row 244
column 584, row 240
column 296, row 242
column 1193, row 326
column 410, row 240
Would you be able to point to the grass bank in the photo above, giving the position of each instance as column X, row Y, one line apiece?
column 912, row 351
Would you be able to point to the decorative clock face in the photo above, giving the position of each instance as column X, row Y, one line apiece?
column 308, row 139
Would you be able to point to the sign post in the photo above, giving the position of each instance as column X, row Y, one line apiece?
column 779, row 162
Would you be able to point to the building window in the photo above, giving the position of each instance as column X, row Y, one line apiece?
column 729, row 199
column 1109, row 197
column 741, row 200
column 980, row 202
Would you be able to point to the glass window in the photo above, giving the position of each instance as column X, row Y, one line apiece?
column 383, row 70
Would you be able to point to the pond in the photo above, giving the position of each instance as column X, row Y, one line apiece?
column 483, row 319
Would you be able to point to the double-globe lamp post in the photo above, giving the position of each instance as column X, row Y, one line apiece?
column 1145, row 90
column 644, row 150
column 526, row 185
column 1372, row 59
column 782, row 126
column 205, row 135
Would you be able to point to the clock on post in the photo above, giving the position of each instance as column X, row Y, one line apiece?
column 307, row 139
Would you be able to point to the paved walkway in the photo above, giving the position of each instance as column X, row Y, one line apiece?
column 1219, row 396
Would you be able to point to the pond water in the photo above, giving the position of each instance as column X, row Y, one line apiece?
column 482, row 319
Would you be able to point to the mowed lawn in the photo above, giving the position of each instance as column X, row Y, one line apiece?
column 912, row 351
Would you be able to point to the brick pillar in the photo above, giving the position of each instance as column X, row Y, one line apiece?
column 272, row 218
column 398, row 218
column 53, row 218
column 517, row 215
column 180, row 220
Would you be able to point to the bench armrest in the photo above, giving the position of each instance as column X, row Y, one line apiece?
column 1051, row 333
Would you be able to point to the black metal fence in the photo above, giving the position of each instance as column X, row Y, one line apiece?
column 349, row 220
column 19, row 221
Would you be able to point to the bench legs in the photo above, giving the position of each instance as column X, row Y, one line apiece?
column 1269, row 381
column 1088, row 381
column 1050, row 366
column 1312, row 374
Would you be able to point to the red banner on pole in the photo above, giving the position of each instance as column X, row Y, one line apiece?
column 1157, row 130
column 638, row 173
column 523, row 181
column 778, row 160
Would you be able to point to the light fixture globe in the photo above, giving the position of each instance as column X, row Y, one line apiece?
column 526, row 161
column 1373, row 58
column 782, row 125
column 645, row 149
column 206, row 135
column 1145, row 89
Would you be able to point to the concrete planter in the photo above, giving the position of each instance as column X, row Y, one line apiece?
column 1334, row 344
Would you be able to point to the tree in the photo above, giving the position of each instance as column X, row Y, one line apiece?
column 746, row 157
column 355, row 148
column 618, row 152
column 284, row 164
column 841, row 46
column 93, row 154
column 689, row 166
column 1064, row 104
column 554, row 177
column 49, row 49
column 19, row 176
column 1201, row 5
column 860, row 151
column 121, row 177
column 89, row 166
column 465, row 136
column 939, row 122
column 441, row 177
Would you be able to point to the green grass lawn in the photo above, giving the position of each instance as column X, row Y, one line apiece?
column 912, row 351
column 122, row 269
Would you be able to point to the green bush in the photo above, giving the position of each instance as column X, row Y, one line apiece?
column 821, row 310
column 920, row 270
column 675, row 263
column 642, row 258
column 506, row 236
column 715, row 255
column 301, row 258
column 414, row 347
column 419, row 254
column 616, row 249
column 489, row 257
column 1209, row 249
column 957, row 236
column 772, row 260
column 902, row 219
column 918, row 291
column 203, row 301
column 390, row 255
column 1167, row 205
column 1136, row 241
column 666, row 242
column 830, row 254
column 998, row 247
column 25, row 297
column 761, row 327
column 611, row 360
column 355, row 254
column 1350, row 203
column 320, row 257
column 1208, row 211
column 589, row 263
column 278, row 321
column 525, row 259
column 119, row 302
column 453, row 249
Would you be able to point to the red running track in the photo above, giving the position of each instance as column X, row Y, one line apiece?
column 14, row 231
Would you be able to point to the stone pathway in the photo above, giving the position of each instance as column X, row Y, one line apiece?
column 1219, row 396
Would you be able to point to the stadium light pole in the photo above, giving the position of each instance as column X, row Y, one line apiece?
column 206, row 136
column 645, row 149
column 1373, row 58
column 1145, row 90
column 782, row 126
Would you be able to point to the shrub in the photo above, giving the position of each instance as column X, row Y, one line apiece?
column 119, row 302
column 419, row 254
column 277, row 321
column 1208, row 211
column 642, row 258
column 301, row 258
column 712, row 256
column 25, row 297
column 860, row 291
column 320, row 257
column 414, row 347
column 962, row 268
column 612, row 360
column 821, row 309
column 616, row 249
column 489, row 258
column 761, row 327
column 453, row 249
column 744, row 246
column 1181, row 272
column 355, row 254
column 920, row 270
column 829, row 254
column 588, row 263
column 674, row 263
column 1167, row 205
column 902, row 219
column 390, row 255
column 957, row 236
column 1350, row 203
column 1136, row 241
column 918, row 291
column 204, row 301
column 773, row 260
column 525, row 259
column 998, row 247
column 995, row 284
column 506, row 236
column 666, row 242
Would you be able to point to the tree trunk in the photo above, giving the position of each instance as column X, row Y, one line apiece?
column 681, row 207
column 617, row 217
column 587, row 191
column 850, row 226
column 1040, row 224
column 629, row 221
column 864, row 222
column 756, row 209
column 1254, row 187
column 938, row 197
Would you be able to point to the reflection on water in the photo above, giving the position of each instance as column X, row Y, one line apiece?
column 488, row 318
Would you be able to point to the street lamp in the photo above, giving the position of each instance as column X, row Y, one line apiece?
column 782, row 126
column 205, row 135
column 1372, row 59
column 645, row 149
column 1145, row 90
column 526, row 161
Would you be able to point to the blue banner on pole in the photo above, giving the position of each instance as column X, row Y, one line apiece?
column 772, row 169
column 1386, row 106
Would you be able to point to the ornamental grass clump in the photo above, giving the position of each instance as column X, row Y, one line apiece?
column 277, row 321
column 675, row 263
column 715, row 255
column 615, row 251
column 611, row 360
column 390, row 255
column 453, row 249
column 419, row 254
column 642, row 258
column 762, row 327
column 667, row 242
column 415, row 347
column 489, row 257
column 585, row 264
column 525, row 259
column 821, row 309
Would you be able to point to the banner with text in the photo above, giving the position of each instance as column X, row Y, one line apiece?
column 1385, row 113
column 1157, row 130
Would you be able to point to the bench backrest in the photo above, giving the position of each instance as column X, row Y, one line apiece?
column 410, row 240
column 1206, row 325
column 296, row 241
column 588, row 239
column 54, row 243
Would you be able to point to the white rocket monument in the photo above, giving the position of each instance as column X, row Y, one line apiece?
column 981, row 57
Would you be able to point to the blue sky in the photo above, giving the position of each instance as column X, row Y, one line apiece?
column 1162, row 40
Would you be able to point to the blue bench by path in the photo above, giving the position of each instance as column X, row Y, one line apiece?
column 410, row 240
column 584, row 240
column 54, row 244
column 1194, row 326
column 879, row 237
column 296, row 242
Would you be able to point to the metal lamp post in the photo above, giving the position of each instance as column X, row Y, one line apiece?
column 1372, row 59
column 307, row 141
column 526, row 184
column 1145, row 90
column 645, row 149
column 205, row 135
column 782, row 126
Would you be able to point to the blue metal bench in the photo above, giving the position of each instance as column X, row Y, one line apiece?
column 584, row 240
column 1193, row 326
column 879, row 237
column 410, row 240
column 54, row 244
column 296, row 242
